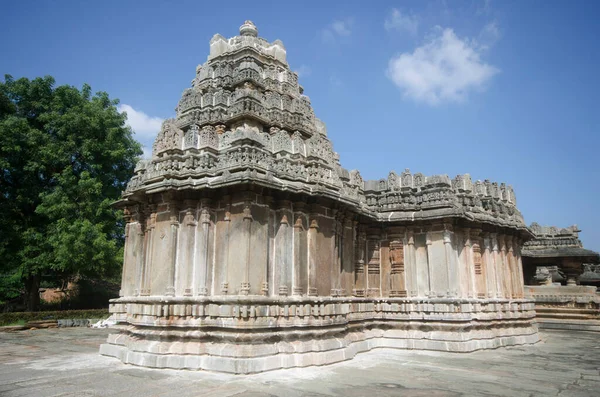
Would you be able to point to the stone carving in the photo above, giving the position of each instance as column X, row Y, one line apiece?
column 281, row 142
column 393, row 181
column 476, row 257
column 168, row 138
column 208, row 137
column 191, row 137
column 397, row 256
column 212, row 278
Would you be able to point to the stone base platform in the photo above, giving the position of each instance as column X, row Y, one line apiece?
column 566, row 307
column 257, row 334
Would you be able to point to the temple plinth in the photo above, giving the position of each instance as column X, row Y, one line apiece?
column 250, row 248
column 554, row 262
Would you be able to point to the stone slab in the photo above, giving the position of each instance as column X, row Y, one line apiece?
column 65, row 362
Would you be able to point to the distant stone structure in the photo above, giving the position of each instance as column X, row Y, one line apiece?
column 249, row 247
column 558, row 250
column 555, row 264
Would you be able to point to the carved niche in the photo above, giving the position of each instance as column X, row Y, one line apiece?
column 397, row 256
column 190, row 139
column 397, row 269
column 168, row 138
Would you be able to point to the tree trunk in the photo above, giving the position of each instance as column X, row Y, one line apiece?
column 32, row 292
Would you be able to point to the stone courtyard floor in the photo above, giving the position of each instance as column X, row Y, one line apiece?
column 65, row 362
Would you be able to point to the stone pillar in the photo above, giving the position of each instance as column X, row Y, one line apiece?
column 187, row 243
column 347, row 255
column 480, row 290
column 572, row 269
column 397, row 270
column 430, row 270
column 174, row 229
column 506, row 274
column 422, row 265
column 359, row 264
column 270, row 215
column 313, row 230
column 451, row 268
column 497, row 265
column 149, row 239
column 519, row 263
column 490, row 270
column 373, row 266
column 132, row 251
column 283, row 245
column 458, row 260
column 226, row 239
column 247, row 249
column 335, row 269
column 411, row 264
column 299, row 237
column 468, row 264
column 203, row 251
column 512, row 266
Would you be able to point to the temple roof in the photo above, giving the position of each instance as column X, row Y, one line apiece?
column 551, row 241
column 246, row 118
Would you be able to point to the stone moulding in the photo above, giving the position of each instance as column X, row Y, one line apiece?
column 248, row 247
column 286, row 333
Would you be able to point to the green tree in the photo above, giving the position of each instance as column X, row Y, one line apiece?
column 65, row 156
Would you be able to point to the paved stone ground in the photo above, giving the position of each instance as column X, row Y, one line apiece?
column 65, row 362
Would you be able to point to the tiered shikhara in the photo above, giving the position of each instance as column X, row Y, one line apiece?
column 249, row 248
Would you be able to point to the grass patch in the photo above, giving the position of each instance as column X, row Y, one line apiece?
column 21, row 318
column 15, row 323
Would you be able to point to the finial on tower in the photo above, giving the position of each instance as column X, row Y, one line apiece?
column 248, row 29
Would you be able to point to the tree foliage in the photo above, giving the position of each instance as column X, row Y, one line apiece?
column 65, row 156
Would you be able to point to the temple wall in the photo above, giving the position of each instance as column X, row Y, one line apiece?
column 248, row 244
column 244, row 264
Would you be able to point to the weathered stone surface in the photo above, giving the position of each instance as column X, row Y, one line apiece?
column 554, row 263
column 249, row 247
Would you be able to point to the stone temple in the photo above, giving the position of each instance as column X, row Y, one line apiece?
column 250, row 248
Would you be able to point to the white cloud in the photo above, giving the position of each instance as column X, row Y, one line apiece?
column 484, row 8
column 145, row 127
column 342, row 28
column 303, row 71
column 339, row 28
column 445, row 69
column 401, row 22
column 489, row 35
column 335, row 81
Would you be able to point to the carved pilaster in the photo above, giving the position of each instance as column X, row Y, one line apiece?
column 506, row 273
column 359, row 264
column 313, row 230
column 428, row 242
column 204, row 249
column 283, row 248
column 336, row 254
column 489, row 265
column 518, row 243
column 227, row 238
column 449, row 254
column 189, row 235
column 247, row 228
column 174, row 227
column 144, row 289
column 497, row 265
column 478, row 271
column 412, row 263
column 397, row 269
column 373, row 266
column 468, row 262
column 299, row 254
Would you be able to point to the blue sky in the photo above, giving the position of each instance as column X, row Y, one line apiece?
column 503, row 90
